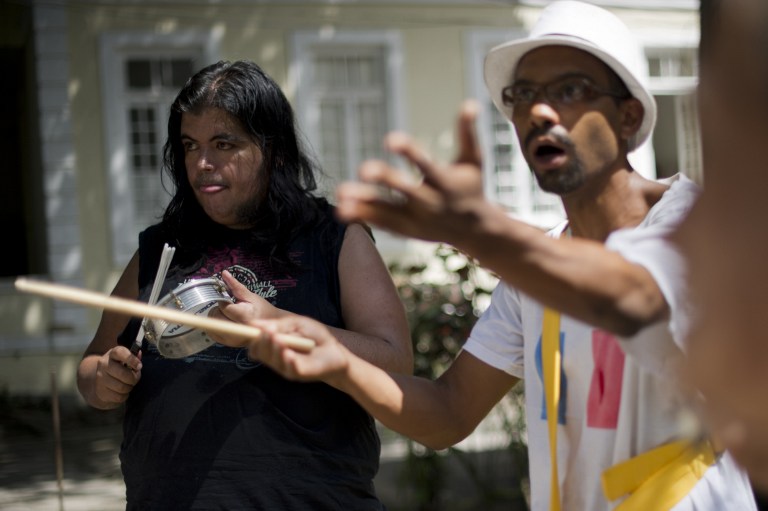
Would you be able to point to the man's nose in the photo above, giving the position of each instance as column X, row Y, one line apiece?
column 543, row 113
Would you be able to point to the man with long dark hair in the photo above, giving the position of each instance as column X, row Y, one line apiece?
column 216, row 430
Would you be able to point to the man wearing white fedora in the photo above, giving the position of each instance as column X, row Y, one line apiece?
column 592, row 316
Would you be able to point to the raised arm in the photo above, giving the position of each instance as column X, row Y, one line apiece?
column 436, row 413
column 576, row 276
column 108, row 371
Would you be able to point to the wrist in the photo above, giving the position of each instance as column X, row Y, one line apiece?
column 342, row 377
column 486, row 224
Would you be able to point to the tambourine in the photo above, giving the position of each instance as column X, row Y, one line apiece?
column 199, row 297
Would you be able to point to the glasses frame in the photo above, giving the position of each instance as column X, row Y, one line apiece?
column 591, row 92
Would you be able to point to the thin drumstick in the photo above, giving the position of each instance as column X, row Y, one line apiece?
column 141, row 309
column 162, row 269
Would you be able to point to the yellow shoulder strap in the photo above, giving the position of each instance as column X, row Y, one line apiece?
column 550, row 368
column 660, row 478
column 652, row 481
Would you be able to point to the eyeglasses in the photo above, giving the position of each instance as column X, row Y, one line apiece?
column 568, row 90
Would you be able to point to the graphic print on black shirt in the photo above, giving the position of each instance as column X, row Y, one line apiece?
column 218, row 431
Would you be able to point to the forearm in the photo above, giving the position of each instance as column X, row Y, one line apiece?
column 377, row 350
column 578, row 277
column 376, row 328
column 415, row 407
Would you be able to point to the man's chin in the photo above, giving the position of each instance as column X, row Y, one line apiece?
column 557, row 186
column 560, row 181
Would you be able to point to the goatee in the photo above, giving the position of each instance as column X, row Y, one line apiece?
column 562, row 181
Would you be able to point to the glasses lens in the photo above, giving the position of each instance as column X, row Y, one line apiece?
column 565, row 91
column 518, row 94
column 569, row 90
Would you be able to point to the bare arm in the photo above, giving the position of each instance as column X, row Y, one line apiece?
column 108, row 372
column 377, row 329
column 437, row 413
column 578, row 277
column 376, row 326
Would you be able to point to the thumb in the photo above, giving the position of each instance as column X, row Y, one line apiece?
column 236, row 288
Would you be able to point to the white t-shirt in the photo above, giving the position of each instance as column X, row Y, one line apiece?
column 617, row 395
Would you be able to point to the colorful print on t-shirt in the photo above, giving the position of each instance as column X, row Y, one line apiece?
column 604, row 398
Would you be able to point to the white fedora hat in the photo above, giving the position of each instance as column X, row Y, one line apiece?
column 585, row 27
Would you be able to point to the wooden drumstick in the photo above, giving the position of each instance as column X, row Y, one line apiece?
column 143, row 310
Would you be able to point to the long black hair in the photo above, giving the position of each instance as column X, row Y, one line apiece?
column 250, row 96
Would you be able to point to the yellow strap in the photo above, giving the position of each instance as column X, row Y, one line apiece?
column 627, row 476
column 655, row 480
column 550, row 368
column 658, row 479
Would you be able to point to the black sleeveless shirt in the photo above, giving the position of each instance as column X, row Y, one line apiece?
column 218, row 431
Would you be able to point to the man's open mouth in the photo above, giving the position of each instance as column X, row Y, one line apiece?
column 548, row 150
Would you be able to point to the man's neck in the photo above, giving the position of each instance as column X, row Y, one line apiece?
column 618, row 200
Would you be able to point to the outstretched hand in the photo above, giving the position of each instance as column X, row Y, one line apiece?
column 442, row 206
column 328, row 359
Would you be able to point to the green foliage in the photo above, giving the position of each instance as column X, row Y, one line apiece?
column 443, row 300
column 443, row 303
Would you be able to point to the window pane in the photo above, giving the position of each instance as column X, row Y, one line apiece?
column 323, row 71
column 348, row 92
column 332, row 143
column 139, row 74
column 371, row 123
column 330, row 72
column 504, row 148
column 543, row 202
column 364, row 71
column 150, row 198
column 672, row 62
column 144, row 152
column 689, row 63
column 180, row 71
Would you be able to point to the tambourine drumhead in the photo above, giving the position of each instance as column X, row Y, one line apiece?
column 199, row 297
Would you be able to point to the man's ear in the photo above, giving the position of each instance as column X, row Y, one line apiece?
column 632, row 113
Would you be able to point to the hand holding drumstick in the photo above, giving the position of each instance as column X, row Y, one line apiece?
column 328, row 361
column 117, row 372
column 247, row 309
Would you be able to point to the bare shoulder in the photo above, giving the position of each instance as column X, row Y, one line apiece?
column 357, row 230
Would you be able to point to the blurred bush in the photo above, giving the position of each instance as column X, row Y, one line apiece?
column 443, row 299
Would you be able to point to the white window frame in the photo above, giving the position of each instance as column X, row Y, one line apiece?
column 116, row 48
column 683, row 88
column 303, row 43
column 477, row 44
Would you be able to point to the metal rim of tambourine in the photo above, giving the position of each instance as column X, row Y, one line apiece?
column 198, row 296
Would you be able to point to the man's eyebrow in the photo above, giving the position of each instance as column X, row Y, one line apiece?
column 568, row 74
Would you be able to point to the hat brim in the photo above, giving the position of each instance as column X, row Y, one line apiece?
column 501, row 63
